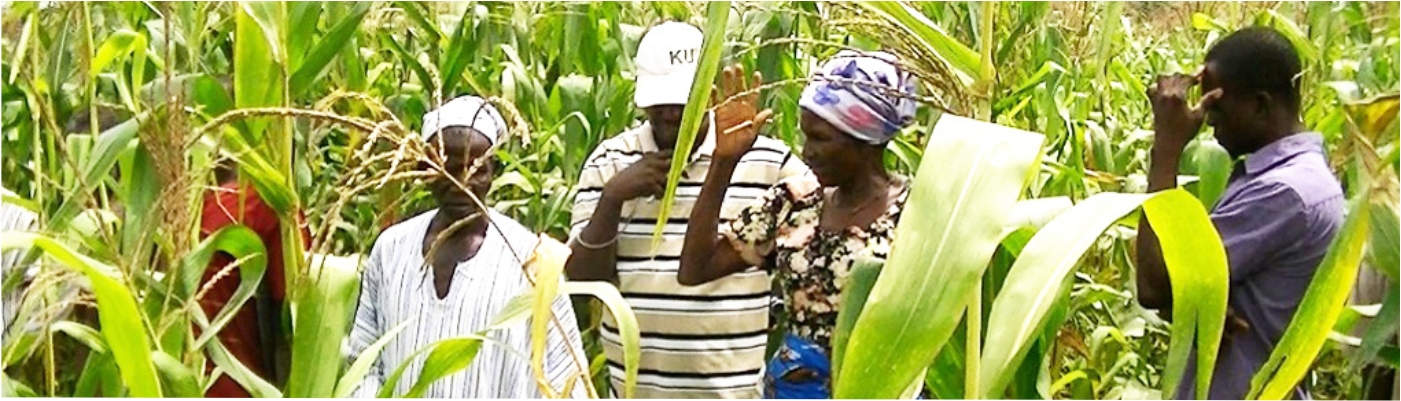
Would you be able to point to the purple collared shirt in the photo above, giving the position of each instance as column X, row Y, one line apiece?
column 1276, row 219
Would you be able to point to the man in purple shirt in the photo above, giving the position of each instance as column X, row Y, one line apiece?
column 1281, row 208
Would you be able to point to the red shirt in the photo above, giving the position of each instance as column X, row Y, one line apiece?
column 240, row 336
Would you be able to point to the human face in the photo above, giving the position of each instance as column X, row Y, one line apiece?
column 1238, row 119
column 666, row 123
column 461, row 147
column 833, row 156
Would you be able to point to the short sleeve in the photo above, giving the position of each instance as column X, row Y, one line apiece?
column 754, row 231
column 596, row 173
column 1257, row 225
column 793, row 166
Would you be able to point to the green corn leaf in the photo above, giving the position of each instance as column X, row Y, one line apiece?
column 99, row 376
column 390, row 383
column 424, row 77
column 180, row 381
column 1321, row 306
column 321, row 320
column 236, row 370
column 949, row 229
column 117, row 311
column 458, row 55
column 717, row 15
column 628, row 330
column 242, row 244
column 857, row 290
column 1196, row 264
column 84, row 334
column 1380, row 331
column 357, row 370
column 1213, row 167
column 966, row 63
column 1382, row 244
column 258, row 70
column 110, row 144
column 1035, row 279
column 320, row 57
column 14, row 388
column 448, row 357
column 120, row 43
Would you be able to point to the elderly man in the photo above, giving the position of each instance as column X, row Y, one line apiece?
column 450, row 271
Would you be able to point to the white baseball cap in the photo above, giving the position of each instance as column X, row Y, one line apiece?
column 666, row 64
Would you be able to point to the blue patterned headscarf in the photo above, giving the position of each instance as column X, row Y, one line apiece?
column 870, row 113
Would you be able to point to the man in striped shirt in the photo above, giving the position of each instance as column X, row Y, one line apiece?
column 449, row 272
column 697, row 342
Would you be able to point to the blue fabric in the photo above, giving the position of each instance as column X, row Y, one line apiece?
column 799, row 369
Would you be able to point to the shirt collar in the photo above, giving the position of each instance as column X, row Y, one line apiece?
column 706, row 149
column 1283, row 149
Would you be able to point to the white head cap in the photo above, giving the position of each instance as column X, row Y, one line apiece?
column 666, row 64
column 466, row 111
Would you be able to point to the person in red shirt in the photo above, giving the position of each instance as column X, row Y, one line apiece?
column 244, row 336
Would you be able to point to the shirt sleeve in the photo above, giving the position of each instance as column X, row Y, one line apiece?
column 1258, row 225
column 755, row 230
column 562, row 348
column 368, row 327
column 793, row 166
column 595, row 174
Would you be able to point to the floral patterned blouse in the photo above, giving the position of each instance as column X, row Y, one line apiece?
column 782, row 232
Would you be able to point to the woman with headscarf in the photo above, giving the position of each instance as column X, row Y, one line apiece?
column 808, row 229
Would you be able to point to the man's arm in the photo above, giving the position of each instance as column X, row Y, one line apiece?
column 1154, row 287
column 598, row 214
column 595, row 244
column 1174, row 124
column 705, row 256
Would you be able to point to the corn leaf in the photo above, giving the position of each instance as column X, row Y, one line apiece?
column 1321, row 306
column 14, row 388
column 256, row 386
column 110, row 144
column 1382, row 252
column 1380, row 331
column 1035, row 279
column 321, row 320
column 84, row 334
column 854, row 295
column 119, row 43
column 357, row 370
column 179, row 381
column 241, row 243
column 257, row 79
column 950, row 227
column 392, row 382
column 320, row 57
column 717, row 15
column 547, row 265
column 448, row 357
column 966, row 63
column 627, row 326
column 1213, row 168
column 100, row 376
column 1196, row 264
column 117, row 311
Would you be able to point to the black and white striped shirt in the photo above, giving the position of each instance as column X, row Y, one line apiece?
column 704, row 341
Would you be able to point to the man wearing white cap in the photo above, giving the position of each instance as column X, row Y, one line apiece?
column 451, row 282
column 697, row 342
